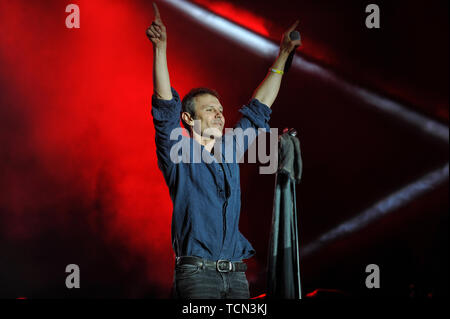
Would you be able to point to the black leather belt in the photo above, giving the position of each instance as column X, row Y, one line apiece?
column 220, row 265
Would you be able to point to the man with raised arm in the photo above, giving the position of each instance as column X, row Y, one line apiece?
column 206, row 195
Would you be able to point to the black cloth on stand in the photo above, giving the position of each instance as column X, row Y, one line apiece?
column 284, row 260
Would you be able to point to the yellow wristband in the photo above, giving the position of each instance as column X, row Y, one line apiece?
column 276, row 71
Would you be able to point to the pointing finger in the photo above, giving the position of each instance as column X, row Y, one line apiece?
column 292, row 28
column 157, row 15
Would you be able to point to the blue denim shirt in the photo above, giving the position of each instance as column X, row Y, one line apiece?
column 206, row 194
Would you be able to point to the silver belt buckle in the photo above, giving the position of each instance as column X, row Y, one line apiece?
column 219, row 262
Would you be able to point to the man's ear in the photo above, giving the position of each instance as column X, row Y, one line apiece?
column 187, row 118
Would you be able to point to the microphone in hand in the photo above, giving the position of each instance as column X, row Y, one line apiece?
column 293, row 35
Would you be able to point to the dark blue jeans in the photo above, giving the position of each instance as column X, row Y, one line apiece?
column 195, row 282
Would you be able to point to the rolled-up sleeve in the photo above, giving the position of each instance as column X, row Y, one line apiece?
column 166, row 118
column 166, row 110
column 256, row 115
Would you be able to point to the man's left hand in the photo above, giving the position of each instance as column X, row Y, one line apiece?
column 287, row 45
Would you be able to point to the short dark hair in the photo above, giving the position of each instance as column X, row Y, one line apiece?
column 188, row 103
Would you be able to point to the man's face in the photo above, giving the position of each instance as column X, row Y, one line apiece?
column 208, row 111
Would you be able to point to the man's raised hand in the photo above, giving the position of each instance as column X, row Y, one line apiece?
column 287, row 44
column 156, row 32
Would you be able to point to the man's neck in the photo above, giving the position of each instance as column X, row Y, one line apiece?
column 208, row 143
